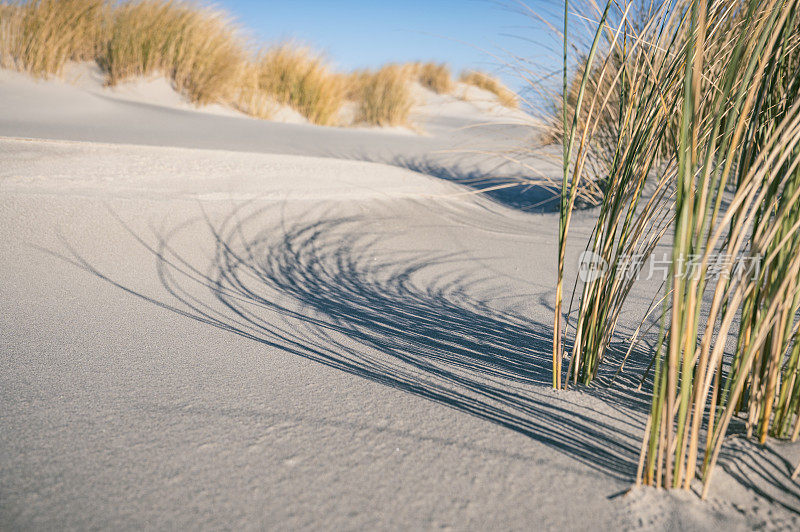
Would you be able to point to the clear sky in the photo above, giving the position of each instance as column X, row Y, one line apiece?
column 359, row 33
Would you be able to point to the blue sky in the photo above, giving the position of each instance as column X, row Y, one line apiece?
column 358, row 34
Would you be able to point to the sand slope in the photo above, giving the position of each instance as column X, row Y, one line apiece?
column 234, row 338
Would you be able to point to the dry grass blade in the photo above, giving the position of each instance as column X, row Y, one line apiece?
column 572, row 172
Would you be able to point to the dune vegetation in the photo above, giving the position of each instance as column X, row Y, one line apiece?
column 207, row 58
column 484, row 81
column 196, row 47
column 698, row 100
column 383, row 96
column 294, row 76
column 41, row 37
column 433, row 76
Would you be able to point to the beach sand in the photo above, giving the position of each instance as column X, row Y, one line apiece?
column 210, row 321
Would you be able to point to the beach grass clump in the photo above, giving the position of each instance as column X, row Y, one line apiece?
column 383, row 96
column 726, row 176
column 739, row 132
column 436, row 77
column 249, row 98
column 489, row 83
column 201, row 50
column 41, row 36
column 197, row 47
column 620, row 133
column 10, row 26
column 296, row 77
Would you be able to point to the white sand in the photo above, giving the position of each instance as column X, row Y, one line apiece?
column 263, row 335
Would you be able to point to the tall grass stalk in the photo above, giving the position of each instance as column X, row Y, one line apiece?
column 715, row 147
column 569, row 186
column 628, row 228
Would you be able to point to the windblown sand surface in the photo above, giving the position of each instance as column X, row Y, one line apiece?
column 212, row 321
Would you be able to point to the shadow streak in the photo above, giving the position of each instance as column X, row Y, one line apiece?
column 762, row 469
column 323, row 290
column 510, row 188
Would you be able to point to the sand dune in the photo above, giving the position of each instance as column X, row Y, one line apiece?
column 79, row 107
column 214, row 321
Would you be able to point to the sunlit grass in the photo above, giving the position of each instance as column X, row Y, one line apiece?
column 433, row 76
column 726, row 175
column 41, row 36
column 484, row 81
column 383, row 96
column 296, row 77
column 205, row 56
column 198, row 48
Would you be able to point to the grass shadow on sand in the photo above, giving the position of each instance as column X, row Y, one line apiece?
column 526, row 182
column 509, row 188
column 762, row 469
column 322, row 288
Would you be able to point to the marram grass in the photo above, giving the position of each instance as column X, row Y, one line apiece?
column 41, row 36
column 489, row 83
column 198, row 48
column 433, row 76
column 383, row 96
column 701, row 100
column 205, row 56
column 296, row 77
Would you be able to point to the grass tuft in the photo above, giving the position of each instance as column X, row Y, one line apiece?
column 383, row 96
column 41, row 36
column 296, row 77
column 250, row 99
column 198, row 48
column 484, row 81
column 433, row 76
column 701, row 99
